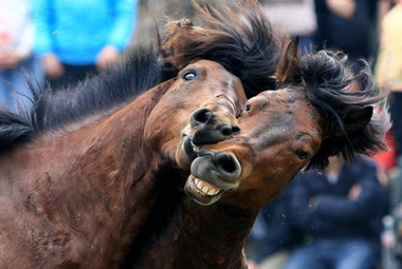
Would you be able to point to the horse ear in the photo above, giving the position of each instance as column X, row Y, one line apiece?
column 356, row 120
column 286, row 64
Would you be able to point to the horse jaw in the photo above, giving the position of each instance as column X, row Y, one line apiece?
column 212, row 175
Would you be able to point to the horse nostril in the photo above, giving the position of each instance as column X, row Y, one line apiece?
column 226, row 163
column 229, row 130
column 235, row 129
column 202, row 115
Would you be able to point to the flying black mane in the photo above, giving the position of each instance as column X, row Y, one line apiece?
column 240, row 39
column 328, row 78
column 142, row 70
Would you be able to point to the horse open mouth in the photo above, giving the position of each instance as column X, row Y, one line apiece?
column 189, row 148
column 187, row 151
column 201, row 191
column 212, row 174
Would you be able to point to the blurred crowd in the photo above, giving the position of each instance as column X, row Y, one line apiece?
column 58, row 43
column 350, row 215
column 346, row 217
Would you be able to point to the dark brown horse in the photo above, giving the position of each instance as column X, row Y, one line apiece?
column 75, row 195
column 313, row 115
column 78, row 177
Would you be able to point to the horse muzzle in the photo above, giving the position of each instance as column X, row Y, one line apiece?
column 212, row 174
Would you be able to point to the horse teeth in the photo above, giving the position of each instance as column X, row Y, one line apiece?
column 202, row 188
column 212, row 192
column 199, row 185
column 196, row 149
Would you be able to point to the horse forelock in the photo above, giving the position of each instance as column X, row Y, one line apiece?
column 97, row 94
column 242, row 40
column 328, row 77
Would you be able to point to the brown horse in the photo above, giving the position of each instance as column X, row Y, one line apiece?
column 313, row 115
column 74, row 191
column 76, row 175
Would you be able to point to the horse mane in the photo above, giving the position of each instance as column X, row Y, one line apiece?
column 328, row 77
column 241, row 39
column 140, row 71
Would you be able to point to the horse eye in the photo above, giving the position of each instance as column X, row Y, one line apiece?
column 302, row 154
column 248, row 107
column 189, row 75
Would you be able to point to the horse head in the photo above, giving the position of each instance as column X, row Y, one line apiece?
column 105, row 168
column 313, row 115
column 204, row 94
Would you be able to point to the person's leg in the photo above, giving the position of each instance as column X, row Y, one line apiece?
column 356, row 254
column 310, row 257
column 72, row 75
column 6, row 99
column 79, row 73
column 27, row 71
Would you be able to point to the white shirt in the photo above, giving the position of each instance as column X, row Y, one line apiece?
column 16, row 29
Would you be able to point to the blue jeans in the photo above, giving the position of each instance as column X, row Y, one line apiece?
column 335, row 254
column 14, row 90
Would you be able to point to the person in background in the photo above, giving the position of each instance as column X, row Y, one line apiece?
column 17, row 60
column 339, row 216
column 388, row 70
column 348, row 25
column 388, row 74
column 272, row 238
column 295, row 17
column 75, row 38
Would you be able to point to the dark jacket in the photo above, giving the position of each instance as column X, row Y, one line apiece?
column 354, row 36
column 333, row 214
column 275, row 229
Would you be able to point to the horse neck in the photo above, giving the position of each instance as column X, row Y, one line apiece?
column 220, row 231
column 118, row 138
column 200, row 237
column 131, row 179
column 112, row 174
